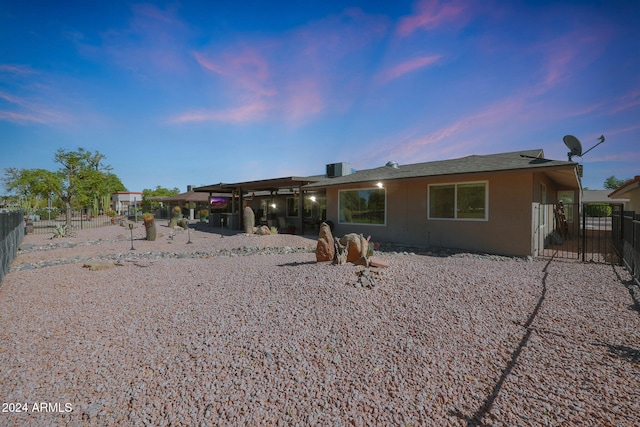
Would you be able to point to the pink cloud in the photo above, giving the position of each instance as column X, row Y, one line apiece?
column 34, row 112
column 407, row 67
column 319, row 70
column 245, row 69
column 431, row 14
column 630, row 100
column 302, row 99
column 246, row 113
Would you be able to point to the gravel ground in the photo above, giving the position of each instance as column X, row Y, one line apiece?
column 250, row 330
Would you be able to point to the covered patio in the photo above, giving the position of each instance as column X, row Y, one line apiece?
column 278, row 202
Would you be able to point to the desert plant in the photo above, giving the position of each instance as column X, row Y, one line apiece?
column 204, row 213
column 149, row 225
column 273, row 230
column 110, row 213
column 176, row 214
column 61, row 230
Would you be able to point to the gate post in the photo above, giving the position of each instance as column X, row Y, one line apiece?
column 583, row 230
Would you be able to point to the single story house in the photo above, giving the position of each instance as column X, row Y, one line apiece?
column 499, row 203
column 630, row 190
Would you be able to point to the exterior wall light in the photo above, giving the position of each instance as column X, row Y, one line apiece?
column 379, row 184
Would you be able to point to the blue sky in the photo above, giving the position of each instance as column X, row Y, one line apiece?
column 180, row 93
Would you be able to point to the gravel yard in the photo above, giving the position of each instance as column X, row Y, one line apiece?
column 250, row 330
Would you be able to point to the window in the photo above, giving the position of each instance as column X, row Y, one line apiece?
column 314, row 206
column 466, row 201
column 365, row 206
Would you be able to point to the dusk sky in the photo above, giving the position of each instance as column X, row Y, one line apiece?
column 201, row 92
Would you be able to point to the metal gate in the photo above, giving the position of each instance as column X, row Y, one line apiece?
column 574, row 231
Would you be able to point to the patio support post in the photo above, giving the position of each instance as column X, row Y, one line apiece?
column 301, row 209
column 241, row 211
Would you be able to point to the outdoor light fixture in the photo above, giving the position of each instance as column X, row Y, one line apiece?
column 131, row 229
column 312, row 198
column 379, row 184
column 273, row 205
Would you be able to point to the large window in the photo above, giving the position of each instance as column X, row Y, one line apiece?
column 468, row 201
column 364, row 206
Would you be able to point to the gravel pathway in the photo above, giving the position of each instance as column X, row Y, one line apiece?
column 250, row 330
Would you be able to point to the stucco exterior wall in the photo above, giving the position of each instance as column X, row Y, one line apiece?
column 507, row 231
column 634, row 200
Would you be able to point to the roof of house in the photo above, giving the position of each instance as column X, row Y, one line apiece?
column 628, row 186
column 518, row 160
column 188, row 197
column 599, row 196
column 263, row 184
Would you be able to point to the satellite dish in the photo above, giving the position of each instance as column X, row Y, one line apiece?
column 572, row 144
column 576, row 147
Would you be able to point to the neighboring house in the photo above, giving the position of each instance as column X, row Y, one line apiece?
column 602, row 196
column 122, row 201
column 630, row 190
column 499, row 203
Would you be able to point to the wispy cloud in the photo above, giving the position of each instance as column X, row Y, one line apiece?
column 431, row 14
column 153, row 45
column 405, row 67
column 246, row 113
column 292, row 77
column 22, row 110
column 16, row 69
column 627, row 101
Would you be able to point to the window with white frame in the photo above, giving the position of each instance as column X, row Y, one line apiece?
column 461, row 201
column 363, row 206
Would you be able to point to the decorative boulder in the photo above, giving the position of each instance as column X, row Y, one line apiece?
column 325, row 249
column 263, row 230
column 356, row 245
column 249, row 219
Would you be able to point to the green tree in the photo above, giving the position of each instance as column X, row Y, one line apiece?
column 149, row 204
column 612, row 182
column 81, row 180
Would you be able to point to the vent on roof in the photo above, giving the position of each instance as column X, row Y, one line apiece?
column 338, row 169
column 392, row 164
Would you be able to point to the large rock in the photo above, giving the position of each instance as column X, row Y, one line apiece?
column 249, row 219
column 325, row 249
column 263, row 230
column 356, row 245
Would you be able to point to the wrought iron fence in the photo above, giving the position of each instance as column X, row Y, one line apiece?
column 11, row 233
column 628, row 242
column 39, row 223
column 571, row 231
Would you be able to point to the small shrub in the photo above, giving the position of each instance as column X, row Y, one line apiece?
column 61, row 230
column 598, row 210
